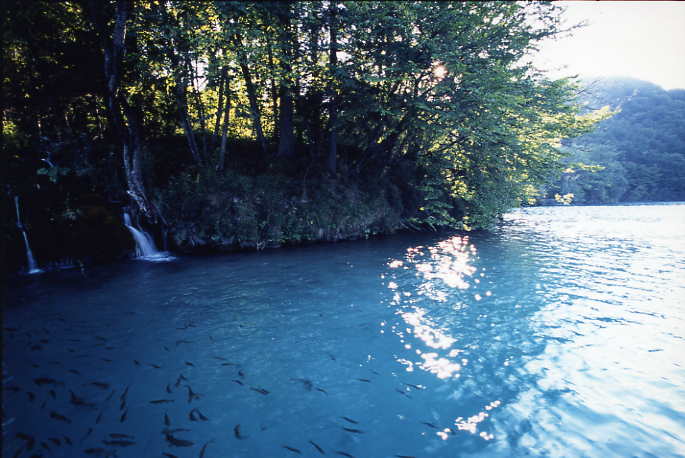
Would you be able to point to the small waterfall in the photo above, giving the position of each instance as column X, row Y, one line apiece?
column 145, row 246
column 30, row 260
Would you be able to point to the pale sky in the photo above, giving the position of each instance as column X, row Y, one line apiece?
column 638, row 39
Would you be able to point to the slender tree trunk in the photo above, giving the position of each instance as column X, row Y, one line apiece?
column 182, row 104
column 332, row 157
column 192, row 71
column 251, row 92
column 286, row 139
column 124, row 119
column 224, row 129
column 274, row 91
column 220, row 103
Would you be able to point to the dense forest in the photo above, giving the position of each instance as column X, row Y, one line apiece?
column 245, row 125
column 638, row 154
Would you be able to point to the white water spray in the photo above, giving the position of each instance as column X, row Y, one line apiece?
column 30, row 260
column 145, row 246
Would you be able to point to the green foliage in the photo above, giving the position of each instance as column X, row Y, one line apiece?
column 638, row 154
column 233, row 210
column 428, row 110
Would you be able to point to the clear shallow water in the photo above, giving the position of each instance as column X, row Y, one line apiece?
column 562, row 333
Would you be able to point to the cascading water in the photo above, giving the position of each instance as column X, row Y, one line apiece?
column 30, row 260
column 145, row 246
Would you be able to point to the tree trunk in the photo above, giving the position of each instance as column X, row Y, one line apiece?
column 332, row 158
column 274, row 91
column 124, row 119
column 182, row 104
column 224, row 129
column 286, row 139
column 220, row 103
column 251, row 92
column 194, row 78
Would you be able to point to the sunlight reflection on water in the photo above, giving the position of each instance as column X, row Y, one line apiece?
column 561, row 333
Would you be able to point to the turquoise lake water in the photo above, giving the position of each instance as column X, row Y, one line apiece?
column 561, row 333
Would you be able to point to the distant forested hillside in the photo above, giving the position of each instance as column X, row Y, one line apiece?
column 636, row 155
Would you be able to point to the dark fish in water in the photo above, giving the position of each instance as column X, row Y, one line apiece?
column 260, row 390
column 405, row 456
column 122, row 405
column 67, row 440
column 55, row 441
column 123, row 416
column 119, row 443
column 88, row 433
column 322, row 390
column 179, row 379
column 74, row 371
column 430, row 425
column 178, row 442
column 239, row 382
column 203, row 450
column 120, row 436
column 109, row 396
column 123, row 395
column 344, row 454
column 192, row 395
column 402, row 392
column 107, row 360
column 161, row 401
column 136, row 362
column 292, row 449
column 94, row 451
column 30, row 440
column 168, row 389
column 241, row 373
column 156, row 366
column 220, row 358
column 416, row 387
column 196, row 415
column 45, row 381
column 236, row 432
column 188, row 363
column 97, row 420
column 166, row 348
column 77, row 401
column 169, row 455
column 308, row 385
column 179, row 342
column 59, row 417
column 31, row 396
column 175, row 430
column 354, row 422
column 104, row 386
column 318, row 447
column 45, row 446
column 228, row 364
column 364, row 380
column 167, row 421
column 53, row 395
column 352, row 430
